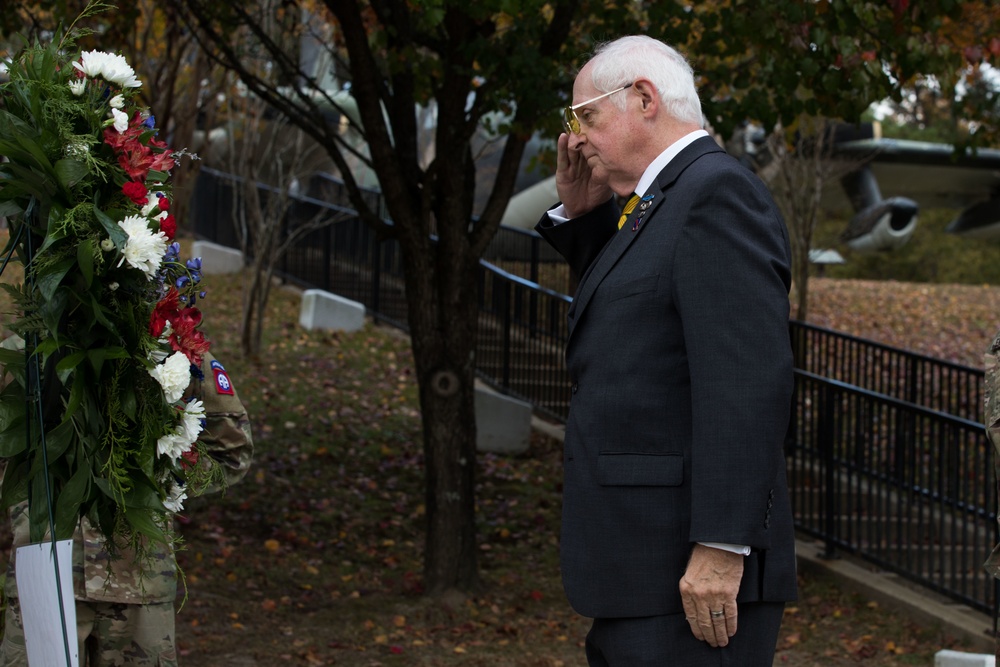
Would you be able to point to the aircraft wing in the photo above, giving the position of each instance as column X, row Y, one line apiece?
column 929, row 173
column 918, row 174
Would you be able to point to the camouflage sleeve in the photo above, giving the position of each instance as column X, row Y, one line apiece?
column 991, row 418
column 227, row 436
column 991, row 392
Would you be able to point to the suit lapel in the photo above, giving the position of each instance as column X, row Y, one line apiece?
column 625, row 237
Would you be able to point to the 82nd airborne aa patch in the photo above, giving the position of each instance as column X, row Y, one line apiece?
column 222, row 383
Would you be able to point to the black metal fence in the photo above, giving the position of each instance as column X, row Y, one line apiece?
column 908, row 376
column 522, row 333
column 886, row 456
column 906, row 487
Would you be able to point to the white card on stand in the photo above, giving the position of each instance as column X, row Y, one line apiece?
column 44, row 623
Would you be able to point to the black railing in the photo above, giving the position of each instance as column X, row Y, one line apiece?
column 887, row 458
column 522, row 332
column 908, row 376
column 900, row 485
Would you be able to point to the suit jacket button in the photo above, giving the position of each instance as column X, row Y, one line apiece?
column 575, row 387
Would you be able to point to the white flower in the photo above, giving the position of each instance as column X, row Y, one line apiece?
column 171, row 445
column 168, row 329
column 78, row 86
column 107, row 245
column 117, row 102
column 174, row 375
column 113, row 286
column 178, row 442
column 91, row 63
column 124, row 77
column 144, row 250
column 109, row 66
column 121, row 120
column 192, row 420
column 174, row 502
column 159, row 355
column 152, row 203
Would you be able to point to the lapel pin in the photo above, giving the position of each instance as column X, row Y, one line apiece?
column 644, row 205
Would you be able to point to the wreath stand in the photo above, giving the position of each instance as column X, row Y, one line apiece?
column 48, row 612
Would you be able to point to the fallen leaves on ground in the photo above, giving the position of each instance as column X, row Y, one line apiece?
column 315, row 558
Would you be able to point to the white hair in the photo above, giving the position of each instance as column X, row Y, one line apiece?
column 640, row 57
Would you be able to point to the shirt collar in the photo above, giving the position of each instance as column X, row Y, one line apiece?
column 664, row 158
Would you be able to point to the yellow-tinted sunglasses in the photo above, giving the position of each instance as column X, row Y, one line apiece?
column 572, row 122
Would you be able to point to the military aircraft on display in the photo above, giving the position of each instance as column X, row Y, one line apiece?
column 928, row 174
column 917, row 174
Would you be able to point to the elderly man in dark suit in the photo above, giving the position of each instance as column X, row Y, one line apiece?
column 677, row 534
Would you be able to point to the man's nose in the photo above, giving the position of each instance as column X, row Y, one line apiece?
column 576, row 140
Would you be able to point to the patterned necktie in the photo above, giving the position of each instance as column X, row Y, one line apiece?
column 629, row 207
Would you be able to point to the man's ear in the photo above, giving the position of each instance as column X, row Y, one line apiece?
column 648, row 94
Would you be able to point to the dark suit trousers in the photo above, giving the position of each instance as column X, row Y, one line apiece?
column 666, row 641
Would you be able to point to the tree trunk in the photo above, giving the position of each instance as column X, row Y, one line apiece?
column 444, row 341
column 251, row 312
column 802, row 287
column 264, row 294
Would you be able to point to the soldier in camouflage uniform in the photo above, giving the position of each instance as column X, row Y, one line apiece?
column 125, row 609
column 991, row 417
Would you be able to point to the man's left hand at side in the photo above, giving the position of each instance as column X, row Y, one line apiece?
column 709, row 586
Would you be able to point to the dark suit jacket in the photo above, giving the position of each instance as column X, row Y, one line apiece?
column 682, row 377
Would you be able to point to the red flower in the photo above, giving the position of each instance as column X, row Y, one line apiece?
column 185, row 336
column 136, row 158
column 168, row 226
column 164, row 203
column 189, row 459
column 119, row 140
column 165, row 309
column 136, row 191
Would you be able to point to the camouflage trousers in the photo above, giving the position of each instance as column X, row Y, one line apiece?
column 109, row 635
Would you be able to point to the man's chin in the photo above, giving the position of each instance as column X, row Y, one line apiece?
column 598, row 174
